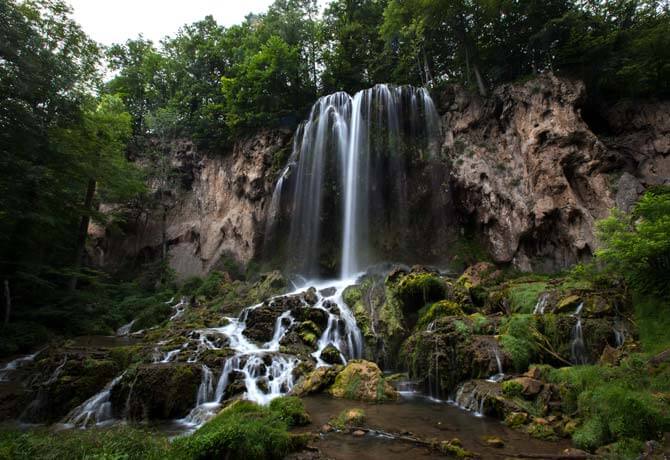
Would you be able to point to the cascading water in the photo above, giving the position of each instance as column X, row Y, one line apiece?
column 267, row 373
column 12, row 366
column 495, row 378
column 96, row 410
column 541, row 304
column 349, row 168
column 577, row 347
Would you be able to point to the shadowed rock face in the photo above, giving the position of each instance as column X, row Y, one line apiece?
column 217, row 210
column 532, row 175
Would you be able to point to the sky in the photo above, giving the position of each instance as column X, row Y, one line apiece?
column 115, row 21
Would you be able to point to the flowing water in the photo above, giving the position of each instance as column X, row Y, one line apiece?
column 97, row 410
column 349, row 159
column 577, row 347
column 267, row 373
column 541, row 304
column 11, row 367
column 495, row 378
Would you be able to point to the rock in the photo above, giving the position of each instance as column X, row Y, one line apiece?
column 494, row 441
column 574, row 452
column 310, row 296
column 568, row 304
column 331, row 355
column 530, row 387
column 348, row 417
column 362, row 380
column 475, row 274
column 316, row 381
column 451, row 449
column 326, row 428
column 261, row 323
column 611, row 356
column 516, row 419
column 359, row 433
column 533, row 373
column 158, row 391
column 539, row 428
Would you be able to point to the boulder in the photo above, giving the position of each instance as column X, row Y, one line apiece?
column 317, row 380
column 331, row 355
column 362, row 380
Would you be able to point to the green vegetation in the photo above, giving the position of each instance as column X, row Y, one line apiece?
column 417, row 289
column 348, row 417
column 246, row 430
column 518, row 339
column 115, row 443
column 431, row 312
column 524, row 296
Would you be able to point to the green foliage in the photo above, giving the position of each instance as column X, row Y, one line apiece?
column 242, row 430
column 348, row 417
column 211, row 286
column 115, row 443
column 636, row 246
column 653, row 321
column 524, row 296
column 518, row 339
column 616, row 404
column 512, row 388
column 291, row 410
column 22, row 337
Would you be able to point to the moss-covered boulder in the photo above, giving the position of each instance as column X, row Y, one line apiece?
column 157, row 391
column 261, row 322
column 331, row 355
column 353, row 417
column 363, row 381
column 419, row 288
column 317, row 380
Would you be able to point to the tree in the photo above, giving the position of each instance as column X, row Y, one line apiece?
column 637, row 245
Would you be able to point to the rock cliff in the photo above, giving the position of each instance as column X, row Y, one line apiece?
column 532, row 167
column 533, row 176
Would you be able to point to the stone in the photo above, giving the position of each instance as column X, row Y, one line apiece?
column 316, row 381
column 362, row 380
column 574, row 452
column 475, row 274
column 331, row 355
column 516, row 419
column 534, row 373
column 494, row 441
column 326, row 428
column 359, row 433
column 530, row 387
column 568, row 304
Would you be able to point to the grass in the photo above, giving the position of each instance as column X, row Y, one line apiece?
column 653, row 321
column 524, row 296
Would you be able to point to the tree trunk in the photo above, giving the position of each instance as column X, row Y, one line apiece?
column 83, row 232
column 164, row 231
column 8, row 302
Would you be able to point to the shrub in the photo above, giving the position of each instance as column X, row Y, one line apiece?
column 518, row 340
column 211, row 286
column 512, row 388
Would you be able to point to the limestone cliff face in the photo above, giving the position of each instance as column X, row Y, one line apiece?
column 533, row 176
column 218, row 211
column 526, row 169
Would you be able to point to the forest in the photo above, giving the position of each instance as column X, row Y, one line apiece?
column 87, row 141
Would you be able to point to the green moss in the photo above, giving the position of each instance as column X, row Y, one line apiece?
column 518, row 340
column 309, row 332
column 115, row 443
column 348, row 417
column 243, row 430
column 524, row 296
column 417, row 289
column 480, row 323
column 291, row 410
column 431, row 312
column 653, row 321
column 512, row 388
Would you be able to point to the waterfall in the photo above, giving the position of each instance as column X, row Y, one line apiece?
column 349, row 169
column 97, row 409
column 16, row 364
column 125, row 329
column 541, row 304
column 495, row 378
column 264, row 371
column 577, row 347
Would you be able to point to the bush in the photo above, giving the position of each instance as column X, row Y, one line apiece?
column 512, row 388
column 211, row 286
column 518, row 340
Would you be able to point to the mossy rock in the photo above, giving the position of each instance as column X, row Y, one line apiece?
column 436, row 310
column 331, row 355
column 568, row 304
column 363, row 381
column 348, row 418
column 317, row 380
column 309, row 332
column 417, row 289
column 516, row 419
column 158, row 391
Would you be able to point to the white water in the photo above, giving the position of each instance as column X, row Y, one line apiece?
column 125, row 329
column 9, row 368
column 267, row 373
column 471, row 401
column 577, row 347
column 541, row 304
column 495, row 378
column 95, row 410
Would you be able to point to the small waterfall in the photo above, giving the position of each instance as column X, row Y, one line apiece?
column 349, row 170
column 179, row 308
column 9, row 368
column 95, row 410
column 125, row 329
column 471, row 400
column 619, row 334
column 541, row 304
column 495, row 378
column 577, row 347
column 265, row 372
